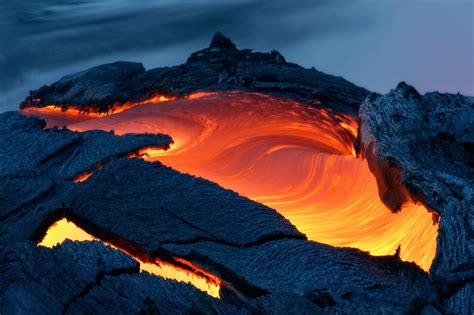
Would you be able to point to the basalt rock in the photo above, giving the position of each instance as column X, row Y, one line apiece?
column 420, row 147
column 78, row 278
column 38, row 165
column 88, row 277
column 221, row 66
column 150, row 210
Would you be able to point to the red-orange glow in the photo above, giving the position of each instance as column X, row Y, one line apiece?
column 296, row 159
column 59, row 115
column 197, row 95
column 82, row 177
column 204, row 281
column 145, row 151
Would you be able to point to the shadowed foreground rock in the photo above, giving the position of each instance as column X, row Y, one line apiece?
column 89, row 278
column 154, row 211
column 220, row 67
column 421, row 147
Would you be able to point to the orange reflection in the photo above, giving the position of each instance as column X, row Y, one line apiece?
column 296, row 159
column 204, row 281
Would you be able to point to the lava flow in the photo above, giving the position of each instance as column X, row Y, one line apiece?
column 62, row 115
column 82, row 177
column 294, row 158
column 64, row 229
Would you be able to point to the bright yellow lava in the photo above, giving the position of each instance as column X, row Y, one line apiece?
column 64, row 229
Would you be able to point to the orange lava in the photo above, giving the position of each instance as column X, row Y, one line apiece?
column 82, row 177
column 297, row 159
column 59, row 115
column 204, row 281
column 63, row 115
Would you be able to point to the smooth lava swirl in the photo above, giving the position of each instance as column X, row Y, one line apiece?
column 294, row 158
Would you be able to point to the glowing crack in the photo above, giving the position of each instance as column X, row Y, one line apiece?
column 202, row 280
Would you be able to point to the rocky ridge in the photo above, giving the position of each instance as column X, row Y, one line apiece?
column 421, row 148
column 219, row 67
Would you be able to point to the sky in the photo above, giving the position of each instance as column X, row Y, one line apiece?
column 372, row 43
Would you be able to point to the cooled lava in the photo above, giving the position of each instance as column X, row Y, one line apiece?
column 64, row 229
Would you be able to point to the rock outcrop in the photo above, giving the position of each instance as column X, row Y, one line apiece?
column 78, row 278
column 421, row 148
column 220, row 67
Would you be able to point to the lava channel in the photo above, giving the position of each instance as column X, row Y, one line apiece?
column 297, row 159
column 60, row 115
column 64, row 229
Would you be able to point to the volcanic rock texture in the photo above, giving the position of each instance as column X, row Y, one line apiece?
column 418, row 147
column 219, row 67
column 422, row 148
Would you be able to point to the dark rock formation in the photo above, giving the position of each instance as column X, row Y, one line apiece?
column 78, row 278
column 220, row 67
column 348, row 281
column 153, row 211
column 61, row 152
column 146, row 195
column 92, row 86
column 37, row 165
column 420, row 147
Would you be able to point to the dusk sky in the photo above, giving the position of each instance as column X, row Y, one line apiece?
column 374, row 44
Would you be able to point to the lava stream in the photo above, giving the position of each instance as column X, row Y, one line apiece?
column 60, row 115
column 64, row 229
column 296, row 159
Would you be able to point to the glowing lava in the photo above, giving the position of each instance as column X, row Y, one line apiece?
column 62, row 115
column 64, row 229
column 82, row 177
column 296, row 159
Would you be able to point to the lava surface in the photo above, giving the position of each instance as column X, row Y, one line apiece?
column 297, row 159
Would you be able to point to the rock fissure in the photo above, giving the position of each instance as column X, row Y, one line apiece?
column 98, row 281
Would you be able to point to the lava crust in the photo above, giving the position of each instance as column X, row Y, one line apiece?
column 426, row 143
column 220, row 67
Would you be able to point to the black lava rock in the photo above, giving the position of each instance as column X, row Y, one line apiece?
column 220, row 67
column 420, row 148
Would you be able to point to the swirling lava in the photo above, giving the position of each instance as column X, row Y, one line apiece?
column 294, row 158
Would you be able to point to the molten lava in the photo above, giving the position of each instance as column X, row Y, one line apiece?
column 204, row 281
column 297, row 159
column 82, row 177
column 62, row 115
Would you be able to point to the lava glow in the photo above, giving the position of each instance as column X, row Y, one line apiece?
column 297, row 159
column 64, row 229
column 62, row 115
column 82, row 177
